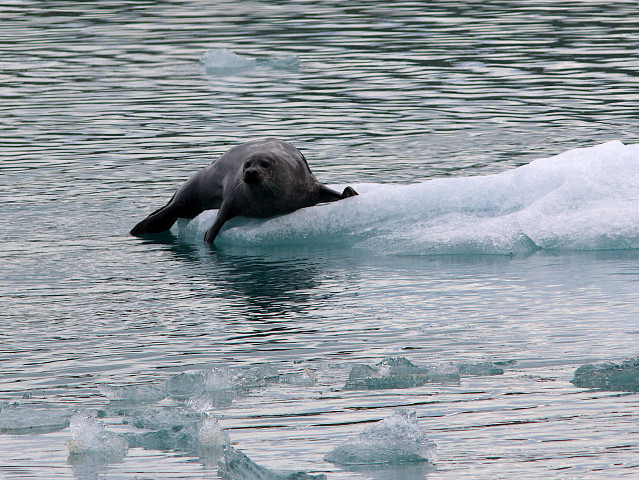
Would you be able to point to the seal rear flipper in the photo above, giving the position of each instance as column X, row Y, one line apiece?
column 328, row 195
column 159, row 221
column 349, row 192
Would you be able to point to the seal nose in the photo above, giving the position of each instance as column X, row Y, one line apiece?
column 251, row 175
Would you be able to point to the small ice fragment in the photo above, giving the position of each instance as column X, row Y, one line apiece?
column 222, row 60
column 391, row 372
column 20, row 421
column 307, row 378
column 133, row 393
column 395, row 440
column 90, row 438
column 237, row 466
column 165, row 418
column 204, row 438
column 258, row 376
column 397, row 372
column 623, row 377
column 211, row 435
column 225, row 59
column 480, row 369
column 199, row 381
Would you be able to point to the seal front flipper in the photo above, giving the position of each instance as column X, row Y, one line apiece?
column 223, row 214
column 159, row 221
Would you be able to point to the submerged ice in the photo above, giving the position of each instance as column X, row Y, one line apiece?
column 583, row 199
column 621, row 377
column 398, row 439
column 399, row 372
column 222, row 60
column 237, row 466
column 16, row 420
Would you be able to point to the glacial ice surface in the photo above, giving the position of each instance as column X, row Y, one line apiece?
column 622, row 377
column 395, row 440
column 583, row 199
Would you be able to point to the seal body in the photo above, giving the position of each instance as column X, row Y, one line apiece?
column 259, row 179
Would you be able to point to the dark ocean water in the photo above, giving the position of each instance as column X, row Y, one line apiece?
column 466, row 245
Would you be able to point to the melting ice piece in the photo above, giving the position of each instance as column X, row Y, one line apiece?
column 133, row 393
column 480, row 369
column 397, row 372
column 237, row 466
column 395, row 440
column 219, row 380
column 199, row 381
column 222, row 60
column 210, row 434
column 165, row 418
column 622, row 377
column 204, row 438
column 307, row 378
column 257, row 376
column 89, row 438
column 19, row 421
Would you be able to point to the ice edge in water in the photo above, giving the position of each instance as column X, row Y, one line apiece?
column 583, row 199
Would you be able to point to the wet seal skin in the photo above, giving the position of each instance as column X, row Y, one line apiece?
column 258, row 179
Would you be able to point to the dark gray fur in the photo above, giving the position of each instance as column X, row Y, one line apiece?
column 259, row 179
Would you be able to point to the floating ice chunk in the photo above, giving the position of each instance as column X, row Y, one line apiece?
column 165, row 418
column 480, row 369
column 221, row 60
column 210, row 433
column 257, row 376
column 219, row 380
column 204, row 438
column 237, row 466
column 392, row 372
column 225, row 59
column 302, row 379
column 397, row 372
column 623, row 377
column 22, row 420
column 395, row 440
column 199, row 381
column 133, row 393
column 90, row 438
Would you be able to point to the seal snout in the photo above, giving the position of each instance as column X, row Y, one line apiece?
column 256, row 170
column 251, row 176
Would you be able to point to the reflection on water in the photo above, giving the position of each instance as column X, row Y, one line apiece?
column 270, row 284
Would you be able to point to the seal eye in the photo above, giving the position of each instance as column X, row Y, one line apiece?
column 264, row 164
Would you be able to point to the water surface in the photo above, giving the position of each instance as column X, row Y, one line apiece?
column 108, row 107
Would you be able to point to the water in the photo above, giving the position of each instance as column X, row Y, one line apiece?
column 471, row 240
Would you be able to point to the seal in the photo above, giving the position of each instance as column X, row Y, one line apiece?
column 258, row 179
